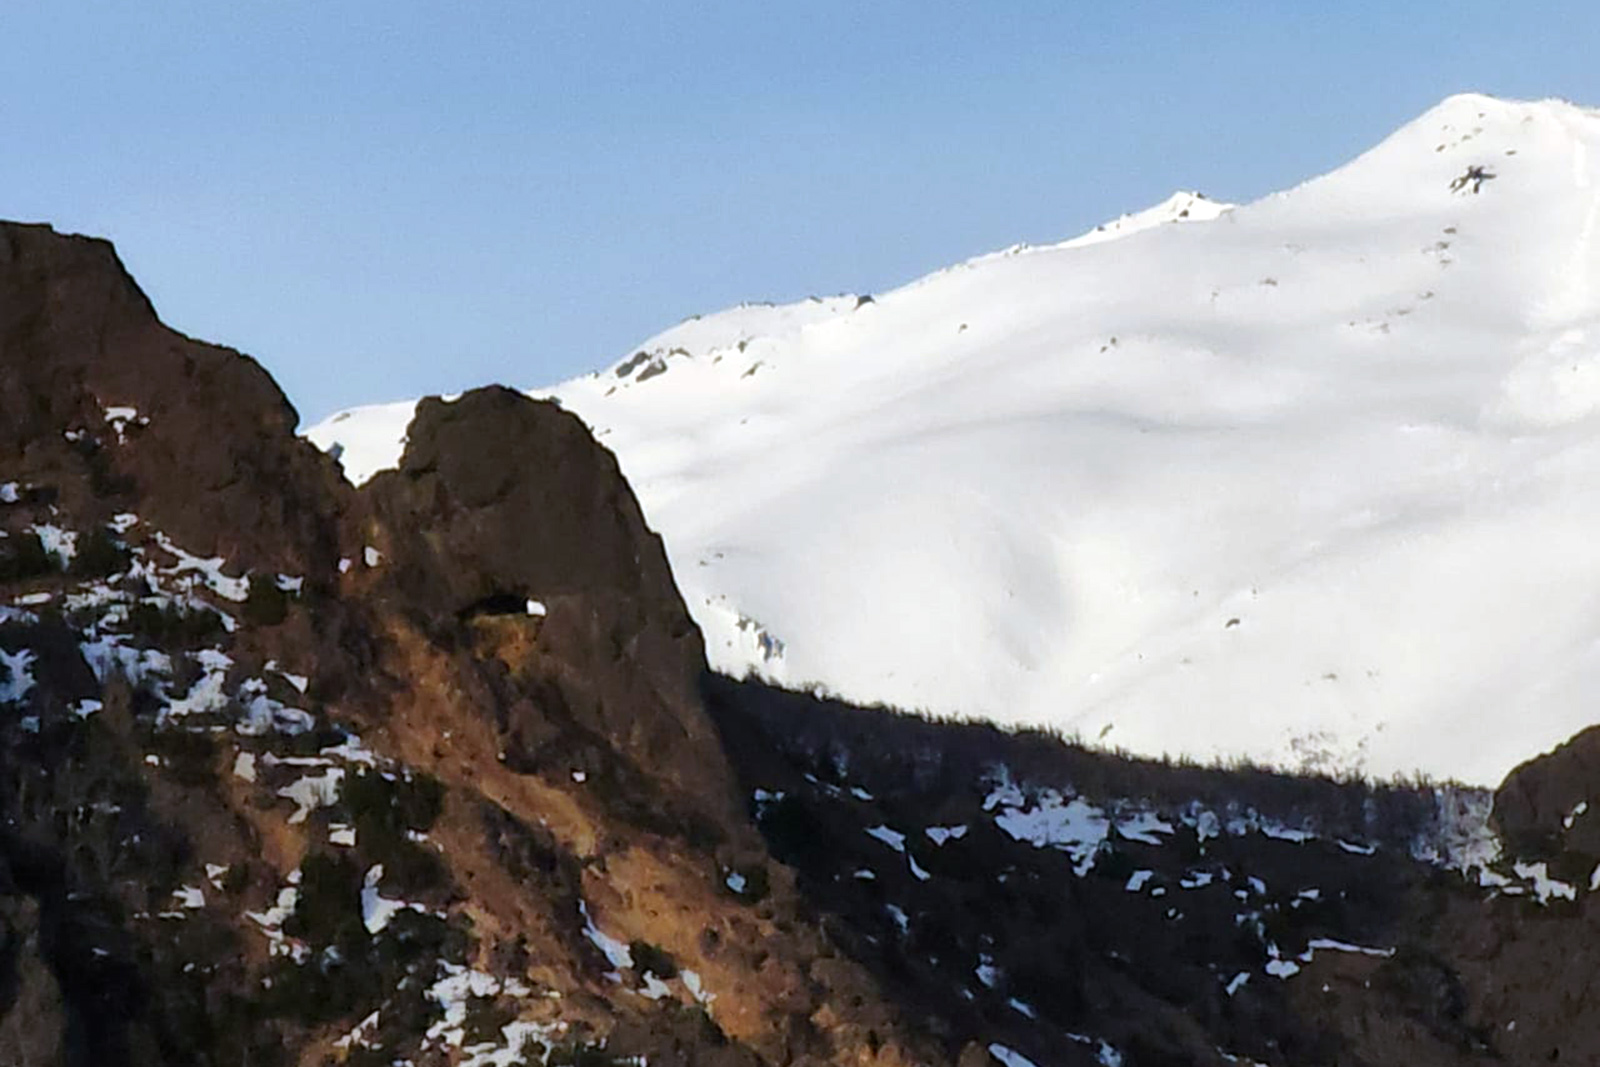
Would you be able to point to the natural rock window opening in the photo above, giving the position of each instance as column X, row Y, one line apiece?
column 500, row 603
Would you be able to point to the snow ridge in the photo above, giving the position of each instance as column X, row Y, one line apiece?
column 1313, row 480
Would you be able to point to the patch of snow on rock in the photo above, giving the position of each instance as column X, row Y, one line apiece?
column 893, row 838
column 1009, row 1057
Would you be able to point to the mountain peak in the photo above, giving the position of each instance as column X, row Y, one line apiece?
column 1545, row 144
column 1215, row 490
column 1474, row 105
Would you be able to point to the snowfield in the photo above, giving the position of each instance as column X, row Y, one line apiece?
column 1313, row 480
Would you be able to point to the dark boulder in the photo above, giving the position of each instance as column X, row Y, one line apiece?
column 1551, row 804
column 500, row 500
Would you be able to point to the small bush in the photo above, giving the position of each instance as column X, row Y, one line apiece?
column 23, row 556
column 313, row 741
column 370, row 1056
column 413, row 869
column 1112, row 863
column 408, row 1011
column 652, row 959
column 328, row 910
column 236, row 880
column 580, row 1054
column 756, row 884
column 190, row 758
column 349, row 972
column 414, row 941
column 393, row 805
column 795, row 833
column 384, row 812
column 168, row 626
column 302, row 993
column 265, row 604
column 100, row 555
column 486, row 1017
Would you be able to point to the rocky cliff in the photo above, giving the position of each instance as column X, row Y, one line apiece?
column 292, row 773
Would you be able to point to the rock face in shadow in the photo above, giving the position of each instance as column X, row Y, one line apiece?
column 518, row 497
column 1549, row 807
column 503, row 506
column 103, row 405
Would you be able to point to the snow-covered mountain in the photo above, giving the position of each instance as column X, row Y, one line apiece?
column 1314, row 479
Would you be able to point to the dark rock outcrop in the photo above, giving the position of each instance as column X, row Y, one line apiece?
column 1550, row 805
column 500, row 500
column 106, row 410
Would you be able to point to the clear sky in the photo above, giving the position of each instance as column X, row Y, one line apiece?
column 379, row 200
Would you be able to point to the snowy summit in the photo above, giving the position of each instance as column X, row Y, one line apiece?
column 1314, row 480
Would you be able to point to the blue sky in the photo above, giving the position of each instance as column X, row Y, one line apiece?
column 383, row 200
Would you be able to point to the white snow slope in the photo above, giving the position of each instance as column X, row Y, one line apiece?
column 1314, row 480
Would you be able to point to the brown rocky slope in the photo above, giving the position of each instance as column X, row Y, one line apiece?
column 432, row 772
column 292, row 773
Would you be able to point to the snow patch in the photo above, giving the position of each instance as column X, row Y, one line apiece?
column 1009, row 1057
column 1329, row 944
column 377, row 910
column 616, row 952
column 1073, row 825
column 893, row 838
column 121, row 417
column 208, row 570
column 16, row 675
column 63, row 543
column 310, row 793
column 454, row 992
column 1544, row 886
column 1574, row 815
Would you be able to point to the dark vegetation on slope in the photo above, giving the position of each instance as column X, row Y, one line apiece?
column 993, row 938
column 935, row 755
